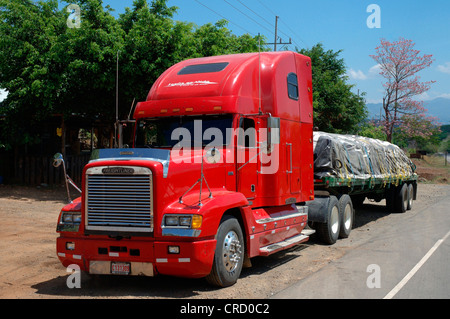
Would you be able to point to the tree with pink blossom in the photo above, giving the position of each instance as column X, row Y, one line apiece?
column 399, row 64
column 419, row 130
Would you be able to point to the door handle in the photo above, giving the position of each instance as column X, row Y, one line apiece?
column 290, row 158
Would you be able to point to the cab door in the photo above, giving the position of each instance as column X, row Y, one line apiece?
column 247, row 158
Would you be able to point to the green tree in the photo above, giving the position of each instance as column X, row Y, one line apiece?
column 48, row 67
column 216, row 39
column 336, row 108
column 85, row 61
column 28, row 31
column 154, row 41
column 371, row 130
column 419, row 132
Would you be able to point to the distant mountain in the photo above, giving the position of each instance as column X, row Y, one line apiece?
column 439, row 107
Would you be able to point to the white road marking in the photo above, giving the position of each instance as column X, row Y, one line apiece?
column 400, row 285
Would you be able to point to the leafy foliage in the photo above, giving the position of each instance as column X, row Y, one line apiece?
column 49, row 68
column 336, row 108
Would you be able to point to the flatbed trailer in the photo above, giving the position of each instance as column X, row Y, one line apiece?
column 356, row 168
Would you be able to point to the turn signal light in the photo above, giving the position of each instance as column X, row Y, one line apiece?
column 196, row 221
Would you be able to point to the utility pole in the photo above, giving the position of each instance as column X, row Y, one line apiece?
column 276, row 36
column 116, row 126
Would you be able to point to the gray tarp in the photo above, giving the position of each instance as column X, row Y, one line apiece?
column 351, row 156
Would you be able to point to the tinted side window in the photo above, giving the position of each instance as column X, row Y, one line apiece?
column 292, row 85
column 203, row 68
column 247, row 133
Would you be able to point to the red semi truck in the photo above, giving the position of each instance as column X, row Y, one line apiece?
column 221, row 170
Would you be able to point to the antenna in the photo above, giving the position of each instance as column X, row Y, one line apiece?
column 276, row 33
column 131, row 109
column 259, row 70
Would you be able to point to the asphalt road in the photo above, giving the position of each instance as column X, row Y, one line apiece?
column 406, row 256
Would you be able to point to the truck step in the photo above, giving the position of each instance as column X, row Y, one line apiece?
column 290, row 242
column 301, row 211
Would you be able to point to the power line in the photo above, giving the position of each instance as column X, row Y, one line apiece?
column 224, row 17
column 267, row 8
column 293, row 32
column 256, row 13
column 248, row 16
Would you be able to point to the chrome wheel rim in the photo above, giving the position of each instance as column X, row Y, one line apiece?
column 405, row 199
column 232, row 252
column 410, row 197
column 348, row 216
column 334, row 219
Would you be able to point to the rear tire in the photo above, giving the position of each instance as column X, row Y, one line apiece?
column 328, row 232
column 401, row 199
column 410, row 192
column 346, row 215
column 229, row 255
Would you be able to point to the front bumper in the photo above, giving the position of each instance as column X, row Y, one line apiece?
column 147, row 257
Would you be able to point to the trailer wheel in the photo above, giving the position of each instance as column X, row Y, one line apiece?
column 401, row 198
column 346, row 215
column 410, row 195
column 229, row 255
column 328, row 232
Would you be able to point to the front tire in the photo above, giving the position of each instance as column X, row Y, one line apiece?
column 229, row 255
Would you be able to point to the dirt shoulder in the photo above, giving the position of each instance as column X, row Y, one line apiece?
column 433, row 169
column 31, row 269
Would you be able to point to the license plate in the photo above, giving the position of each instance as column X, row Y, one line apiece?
column 120, row 268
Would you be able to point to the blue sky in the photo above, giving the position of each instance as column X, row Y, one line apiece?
column 338, row 25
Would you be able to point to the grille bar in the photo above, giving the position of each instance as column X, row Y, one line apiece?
column 119, row 202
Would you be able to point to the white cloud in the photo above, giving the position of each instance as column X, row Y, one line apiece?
column 445, row 95
column 444, row 68
column 360, row 75
column 423, row 97
column 375, row 70
column 357, row 75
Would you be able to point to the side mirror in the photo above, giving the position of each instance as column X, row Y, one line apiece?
column 213, row 155
column 57, row 159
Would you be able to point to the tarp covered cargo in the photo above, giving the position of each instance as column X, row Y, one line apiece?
column 357, row 157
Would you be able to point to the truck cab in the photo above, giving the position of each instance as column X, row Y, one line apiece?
column 220, row 171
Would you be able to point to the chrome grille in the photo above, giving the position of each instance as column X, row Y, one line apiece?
column 119, row 202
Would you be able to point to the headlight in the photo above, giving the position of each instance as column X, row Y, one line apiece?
column 185, row 221
column 70, row 221
column 171, row 221
column 182, row 221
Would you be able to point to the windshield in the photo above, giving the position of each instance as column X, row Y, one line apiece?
column 184, row 131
